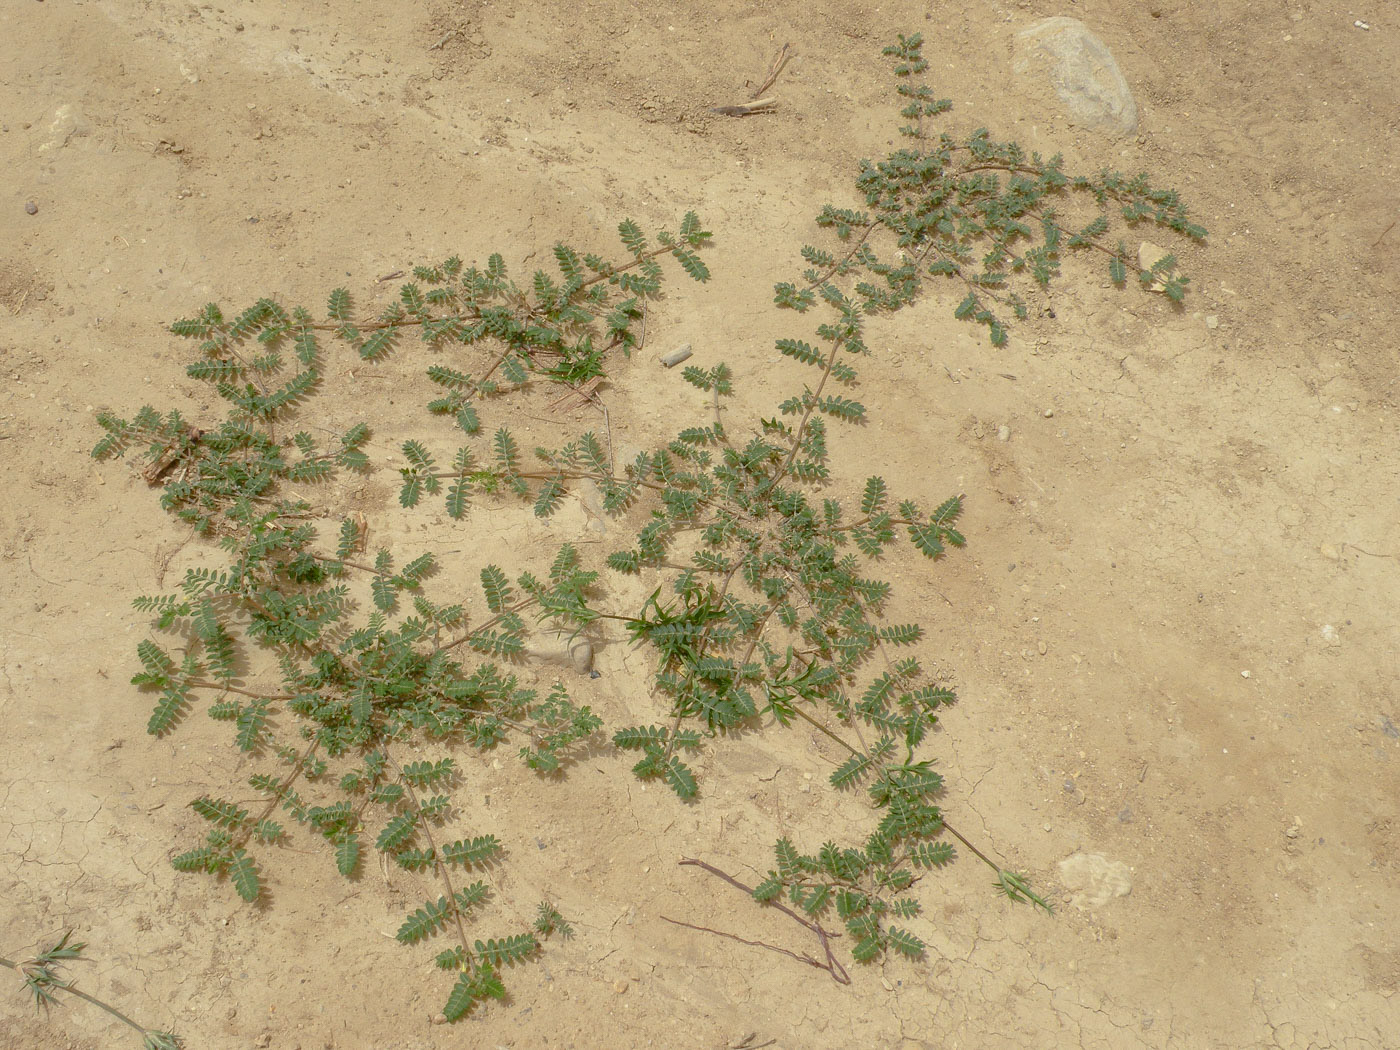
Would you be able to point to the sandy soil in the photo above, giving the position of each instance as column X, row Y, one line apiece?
column 1174, row 631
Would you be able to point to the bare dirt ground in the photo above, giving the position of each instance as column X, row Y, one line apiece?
column 1183, row 497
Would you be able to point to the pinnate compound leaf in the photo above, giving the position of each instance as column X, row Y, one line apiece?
column 349, row 540
column 932, row 854
column 477, row 850
column 789, row 865
column 347, row 853
column 550, row 495
column 507, row 452
column 906, row 943
column 874, row 497
column 219, row 811
column 632, row 236
column 244, row 874
column 691, row 232
column 461, row 1000
column 851, row 771
column 637, row 737
column 497, row 588
column 167, row 712
column 378, row 343
column 692, row 264
column 251, row 720
column 429, row 774
column 200, row 859
column 339, row 306
column 507, row 950
column 867, row 949
column 155, row 660
column 424, row 921
column 397, row 832
column 385, row 597
column 769, row 889
column 681, row 779
column 458, row 498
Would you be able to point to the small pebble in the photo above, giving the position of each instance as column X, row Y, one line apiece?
column 1003, row 433
column 680, row 353
column 31, row 208
column 439, row 1018
column 1049, row 413
column 619, row 987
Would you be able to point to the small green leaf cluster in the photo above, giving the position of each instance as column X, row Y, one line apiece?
column 217, row 479
column 979, row 212
column 355, row 692
column 560, row 326
column 857, row 884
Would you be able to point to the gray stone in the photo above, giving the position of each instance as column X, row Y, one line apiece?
column 1083, row 72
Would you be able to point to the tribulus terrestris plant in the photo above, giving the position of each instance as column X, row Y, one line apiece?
column 762, row 606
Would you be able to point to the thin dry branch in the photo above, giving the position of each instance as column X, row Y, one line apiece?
column 774, row 68
column 832, row 965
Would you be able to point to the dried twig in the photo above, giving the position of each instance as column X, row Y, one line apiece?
column 171, row 455
column 802, row 958
column 832, row 966
column 756, row 103
column 445, row 38
column 576, row 397
column 763, row 105
column 774, row 68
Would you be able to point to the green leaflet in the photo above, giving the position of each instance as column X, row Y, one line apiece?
column 244, row 875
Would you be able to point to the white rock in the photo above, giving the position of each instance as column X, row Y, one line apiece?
column 1083, row 72
column 69, row 122
column 1093, row 880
